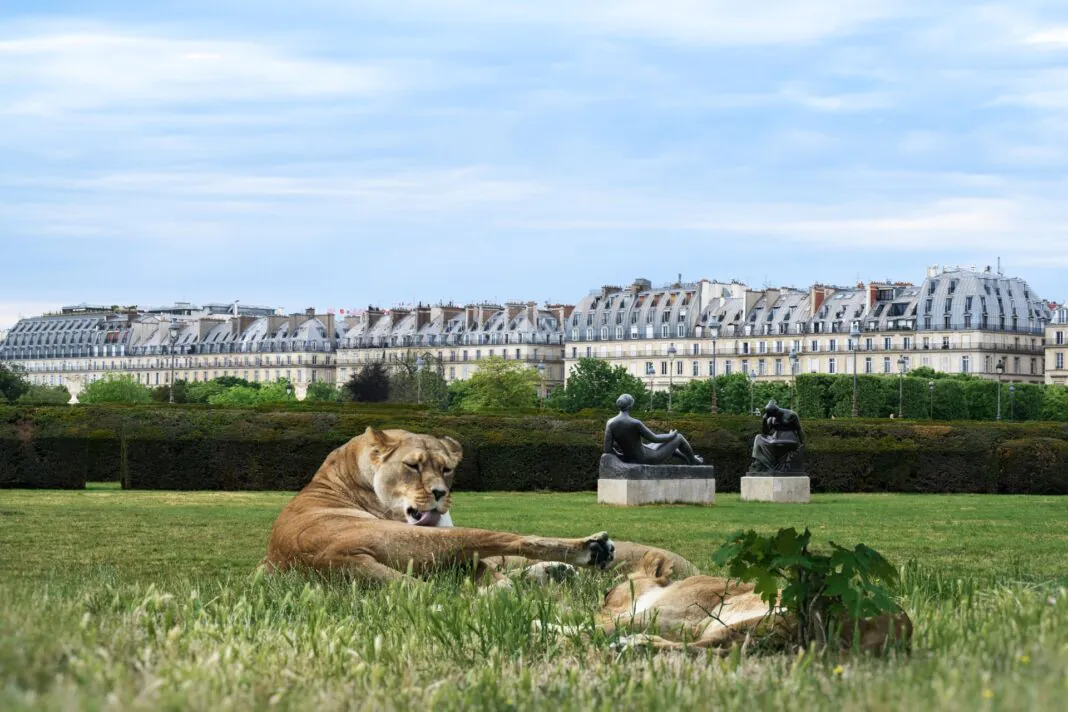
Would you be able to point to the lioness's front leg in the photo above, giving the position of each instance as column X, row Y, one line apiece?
column 399, row 546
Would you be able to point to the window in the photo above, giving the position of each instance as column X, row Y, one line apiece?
column 1060, row 338
column 945, row 342
column 681, row 331
column 711, row 369
column 867, row 364
column 1059, row 358
column 888, row 343
column 886, row 364
column 762, row 347
column 814, row 346
column 665, row 331
column 760, row 368
column 868, row 344
column 831, row 366
column 778, row 367
column 678, row 368
column 727, row 368
column 965, row 362
column 907, row 343
column 663, row 368
column 696, row 368
column 834, row 345
column 745, row 367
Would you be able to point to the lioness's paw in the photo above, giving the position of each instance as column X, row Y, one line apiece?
column 545, row 571
column 630, row 642
column 599, row 550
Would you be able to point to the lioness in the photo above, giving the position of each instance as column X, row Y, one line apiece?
column 712, row 612
column 375, row 506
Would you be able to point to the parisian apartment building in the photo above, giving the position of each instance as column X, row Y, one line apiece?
column 956, row 320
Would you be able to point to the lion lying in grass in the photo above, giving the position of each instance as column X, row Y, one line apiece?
column 711, row 612
column 379, row 508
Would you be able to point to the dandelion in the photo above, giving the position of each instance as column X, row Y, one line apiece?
column 1025, row 659
column 988, row 694
column 838, row 670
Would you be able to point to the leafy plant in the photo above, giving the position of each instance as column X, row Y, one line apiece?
column 821, row 590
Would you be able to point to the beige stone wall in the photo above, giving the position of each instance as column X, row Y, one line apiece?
column 1056, row 354
column 877, row 353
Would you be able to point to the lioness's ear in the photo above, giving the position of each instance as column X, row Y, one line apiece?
column 381, row 444
column 454, row 448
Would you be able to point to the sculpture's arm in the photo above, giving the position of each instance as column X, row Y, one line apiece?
column 653, row 437
column 608, row 449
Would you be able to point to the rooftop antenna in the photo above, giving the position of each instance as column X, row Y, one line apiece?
column 1000, row 273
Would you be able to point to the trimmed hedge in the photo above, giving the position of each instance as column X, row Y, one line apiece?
column 43, row 463
column 199, row 447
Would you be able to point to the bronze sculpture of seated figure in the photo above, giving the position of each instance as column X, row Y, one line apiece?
column 781, row 445
column 624, row 433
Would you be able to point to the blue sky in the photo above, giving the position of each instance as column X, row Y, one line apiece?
column 335, row 154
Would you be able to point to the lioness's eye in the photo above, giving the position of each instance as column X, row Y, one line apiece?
column 447, row 471
column 412, row 467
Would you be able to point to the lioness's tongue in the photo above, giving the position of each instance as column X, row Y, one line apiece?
column 428, row 519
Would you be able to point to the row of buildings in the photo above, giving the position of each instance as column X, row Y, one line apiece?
column 957, row 320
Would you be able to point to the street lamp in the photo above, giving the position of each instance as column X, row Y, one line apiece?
column 541, row 377
column 419, row 363
column 671, row 371
column 902, row 364
column 1012, row 401
column 794, row 359
column 930, row 411
column 752, row 384
column 854, row 342
column 172, row 333
column 1000, row 368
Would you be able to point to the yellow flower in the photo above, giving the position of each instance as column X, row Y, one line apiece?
column 1025, row 659
column 988, row 694
column 838, row 670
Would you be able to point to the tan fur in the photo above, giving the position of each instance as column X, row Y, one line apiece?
column 711, row 612
column 351, row 516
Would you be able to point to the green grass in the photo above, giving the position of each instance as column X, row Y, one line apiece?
column 150, row 600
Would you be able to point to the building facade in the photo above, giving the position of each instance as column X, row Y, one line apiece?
column 958, row 320
column 85, row 343
column 1057, row 346
column 455, row 339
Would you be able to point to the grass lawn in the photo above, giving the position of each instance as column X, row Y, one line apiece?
column 149, row 600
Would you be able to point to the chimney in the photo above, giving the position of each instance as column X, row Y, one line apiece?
column 273, row 324
column 422, row 316
column 817, row 294
column 641, row 284
column 328, row 322
column 513, row 309
column 532, row 313
column 873, row 293
column 470, row 316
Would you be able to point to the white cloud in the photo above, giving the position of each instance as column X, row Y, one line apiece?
column 52, row 72
column 1057, row 36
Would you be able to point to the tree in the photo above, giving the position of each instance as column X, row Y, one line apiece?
column 501, row 384
column 370, row 384
column 408, row 383
column 200, row 392
column 45, row 395
column 593, row 383
column 322, row 392
column 13, row 383
column 1055, row 403
column 116, row 390
column 280, row 391
column 231, row 381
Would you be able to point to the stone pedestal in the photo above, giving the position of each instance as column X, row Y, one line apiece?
column 785, row 488
column 629, row 485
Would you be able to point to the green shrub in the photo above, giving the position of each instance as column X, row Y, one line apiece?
column 45, row 395
column 123, row 389
column 822, row 591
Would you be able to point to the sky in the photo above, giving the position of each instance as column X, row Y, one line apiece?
column 335, row 154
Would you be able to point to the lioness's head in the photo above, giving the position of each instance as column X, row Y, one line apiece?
column 412, row 473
